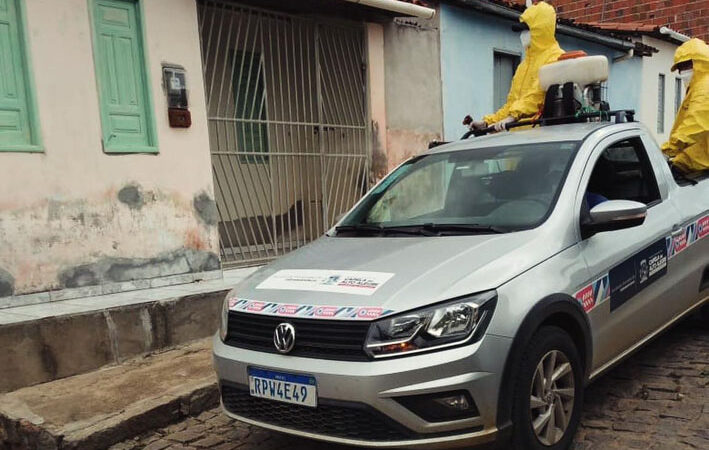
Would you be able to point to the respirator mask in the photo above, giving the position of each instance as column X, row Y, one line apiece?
column 686, row 76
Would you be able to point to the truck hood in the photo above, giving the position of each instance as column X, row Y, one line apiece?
column 420, row 270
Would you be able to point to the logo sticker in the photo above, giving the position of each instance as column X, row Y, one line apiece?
column 594, row 294
column 335, row 281
column 703, row 227
column 308, row 311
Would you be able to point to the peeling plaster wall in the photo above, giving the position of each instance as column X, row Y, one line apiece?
column 73, row 215
column 414, row 111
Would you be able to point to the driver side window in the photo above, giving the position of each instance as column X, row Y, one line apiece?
column 623, row 172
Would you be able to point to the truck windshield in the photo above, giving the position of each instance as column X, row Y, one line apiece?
column 491, row 190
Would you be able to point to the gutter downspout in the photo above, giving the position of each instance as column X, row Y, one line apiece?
column 674, row 34
column 397, row 6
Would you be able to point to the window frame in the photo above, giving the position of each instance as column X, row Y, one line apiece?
column 646, row 167
column 503, row 53
column 150, row 119
column 679, row 94
column 251, row 157
column 35, row 145
column 661, row 101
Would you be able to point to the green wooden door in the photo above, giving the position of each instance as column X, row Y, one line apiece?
column 14, row 112
column 122, row 80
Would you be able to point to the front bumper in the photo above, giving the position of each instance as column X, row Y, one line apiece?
column 476, row 368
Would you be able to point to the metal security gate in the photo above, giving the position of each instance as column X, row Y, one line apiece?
column 288, row 126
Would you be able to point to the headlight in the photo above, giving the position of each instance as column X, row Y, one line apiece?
column 452, row 323
column 224, row 319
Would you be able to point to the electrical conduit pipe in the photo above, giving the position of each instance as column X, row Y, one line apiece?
column 397, row 6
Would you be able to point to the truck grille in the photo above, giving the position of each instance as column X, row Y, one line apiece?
column 330, row 418
column 314, row 338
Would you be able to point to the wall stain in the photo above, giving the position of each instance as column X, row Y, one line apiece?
column 111, row 270
column 130, row 232
column 194, row 239
column 206, row 209
column 379, row 157
column 7, row 283
column 49, row 361
column 132, row 195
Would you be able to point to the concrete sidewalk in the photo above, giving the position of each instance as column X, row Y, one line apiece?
column 96, row 409
column 100, row 302
column 88, row 372
column 54, row 340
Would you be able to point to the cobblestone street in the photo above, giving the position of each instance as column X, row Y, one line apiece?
column 658, row 399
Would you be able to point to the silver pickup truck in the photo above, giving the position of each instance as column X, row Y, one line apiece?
column 470, row 296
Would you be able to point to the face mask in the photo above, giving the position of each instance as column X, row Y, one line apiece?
column 526, row 38
column 686, row 76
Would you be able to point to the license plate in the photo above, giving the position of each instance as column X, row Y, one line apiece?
column 283, row 387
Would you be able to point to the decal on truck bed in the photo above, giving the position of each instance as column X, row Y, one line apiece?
column 336, row 281
column 692, row 233
column 308, row 311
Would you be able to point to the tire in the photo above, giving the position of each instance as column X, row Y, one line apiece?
column 548, row 345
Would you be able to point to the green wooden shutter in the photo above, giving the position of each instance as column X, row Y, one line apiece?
column 16, row 118
column 126, row 111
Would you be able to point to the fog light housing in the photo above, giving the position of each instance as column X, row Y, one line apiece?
column 441, row 406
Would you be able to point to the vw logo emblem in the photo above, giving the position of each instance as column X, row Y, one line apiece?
column 284, row 337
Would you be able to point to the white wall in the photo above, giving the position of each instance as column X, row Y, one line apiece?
column 652, row 67
column 60, row 209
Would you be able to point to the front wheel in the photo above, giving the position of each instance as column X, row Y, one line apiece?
column 548, row 394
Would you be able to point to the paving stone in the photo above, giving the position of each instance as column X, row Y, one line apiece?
column 178, row 447
column 206, row 415
column 208, row 442
column 185, row 436
column 227, row 446
column 157, row 445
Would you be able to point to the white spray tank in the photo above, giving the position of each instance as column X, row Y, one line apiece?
column 573, row 84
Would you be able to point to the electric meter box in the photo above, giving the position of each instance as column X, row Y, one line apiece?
column 175, row 84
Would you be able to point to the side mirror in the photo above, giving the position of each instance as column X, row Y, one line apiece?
column 614, row 215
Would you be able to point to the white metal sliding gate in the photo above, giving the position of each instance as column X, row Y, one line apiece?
column 288, row 126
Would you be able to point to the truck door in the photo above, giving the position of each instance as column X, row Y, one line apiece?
column 632, row 286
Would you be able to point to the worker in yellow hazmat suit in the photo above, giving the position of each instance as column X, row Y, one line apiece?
column 526, row 97
column 688, row 147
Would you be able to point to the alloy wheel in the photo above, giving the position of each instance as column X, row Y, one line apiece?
column 551, row 401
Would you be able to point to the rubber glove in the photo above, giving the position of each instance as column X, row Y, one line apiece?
column 502, row 124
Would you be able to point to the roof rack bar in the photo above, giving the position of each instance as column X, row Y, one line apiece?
column 620, row 116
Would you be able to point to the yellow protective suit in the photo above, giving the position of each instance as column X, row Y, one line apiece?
column 526, row 97
column 688, row 147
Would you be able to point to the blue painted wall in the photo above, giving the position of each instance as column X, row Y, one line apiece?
column 468, row 42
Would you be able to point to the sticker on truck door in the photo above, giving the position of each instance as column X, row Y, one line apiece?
column 625, row 280
column 336, row 281
column 636, row 273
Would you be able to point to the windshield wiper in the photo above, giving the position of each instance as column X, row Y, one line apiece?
column 463, row 228
column 381, row 230
column 426, row 229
